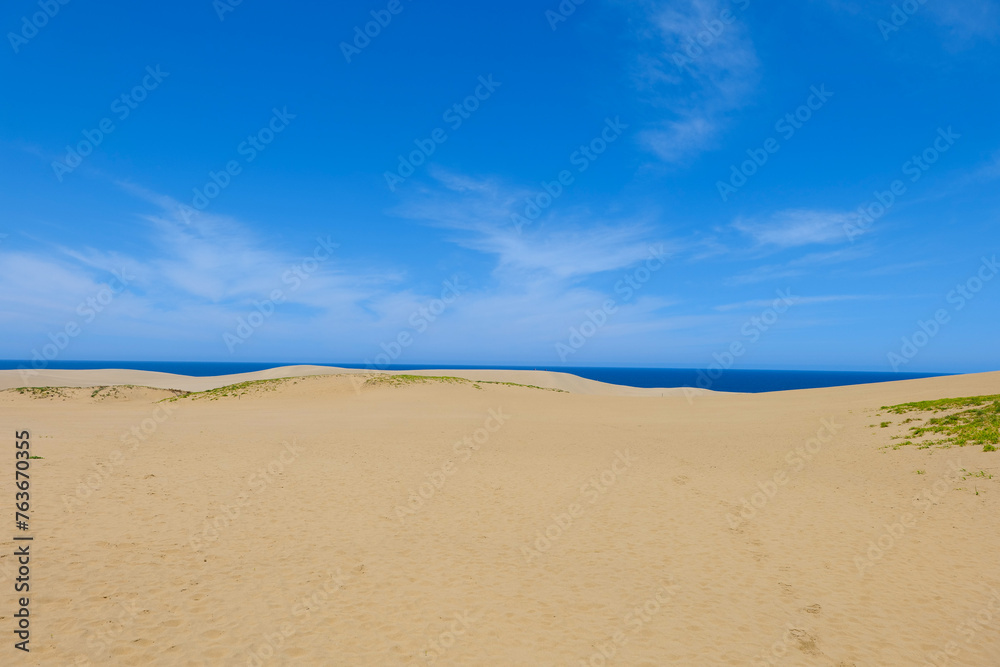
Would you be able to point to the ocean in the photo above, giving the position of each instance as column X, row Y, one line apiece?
column 746, row 381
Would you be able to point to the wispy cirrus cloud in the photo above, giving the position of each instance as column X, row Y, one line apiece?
column 797, row 301
column 967, row 21
column 795, row 227
column 199, row 272
column 800, row 266
column 697, row 62
column 218, row 259
column 204, row 270
column 547, row 275
column 558, row 248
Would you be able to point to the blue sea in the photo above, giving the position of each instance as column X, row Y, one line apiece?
column 747, row 381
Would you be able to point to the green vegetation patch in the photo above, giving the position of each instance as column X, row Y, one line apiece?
column 117, row 391
column 102, row 393
column 259, row 386
column 529, row 386
column 403, row 380
column 234, row 390
column 42, row 392
column 973, row 420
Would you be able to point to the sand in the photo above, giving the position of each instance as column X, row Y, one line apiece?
column 323, row 521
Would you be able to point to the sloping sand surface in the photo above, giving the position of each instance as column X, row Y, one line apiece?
column 322, row 521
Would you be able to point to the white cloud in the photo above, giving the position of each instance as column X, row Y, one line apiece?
column 800, row 266
column 796, row 227
column 478, row 211
column 218, row 260
column 677, row 140
column 967, row 20
column 548, row 275
column 195, row 278
column 697, row 62
column 48, row 288
column 796, row 301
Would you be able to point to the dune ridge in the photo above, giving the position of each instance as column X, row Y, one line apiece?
column 10, row 379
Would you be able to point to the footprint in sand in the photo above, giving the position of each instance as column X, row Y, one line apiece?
column 807, row 643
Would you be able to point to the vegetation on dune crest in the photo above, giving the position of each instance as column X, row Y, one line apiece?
column 102, row 393
column 235, row 390
column 253, row 387
column 972, row 420
column 529, row 386
column 402, row 380
column 116, row 391
column 42, row 392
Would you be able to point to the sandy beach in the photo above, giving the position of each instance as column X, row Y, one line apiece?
column 341, row 518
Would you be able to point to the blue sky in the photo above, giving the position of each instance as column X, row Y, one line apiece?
column 629, row 183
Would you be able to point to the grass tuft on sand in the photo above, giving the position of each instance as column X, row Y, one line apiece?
column 972, row 420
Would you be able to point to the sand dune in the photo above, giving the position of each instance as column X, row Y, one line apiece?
column 321, row 520
column 91, row 378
